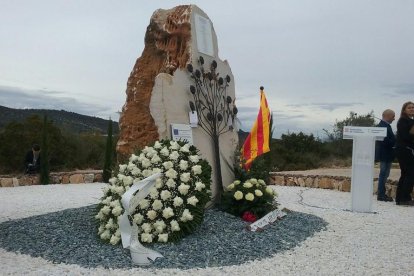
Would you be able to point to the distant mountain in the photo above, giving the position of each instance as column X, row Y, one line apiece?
column 69, row 121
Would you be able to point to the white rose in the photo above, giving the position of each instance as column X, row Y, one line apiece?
column 141, row 157
column 200, row 186
column 146, row 163
column 131, row 166
column 157, row 145
column 192, row 201
column 186, row 216
column 237, row 182
column 136, row 171
column 117, row 211
column 110, row 224
column 151, row 214
column 249, row 197
column 155, row 159
column 261, row 182
column 168, row 165
column 146, row 227
column 158, row 183
column 183, row 165
column 114, row 240
column 128, row 180
column 171, row 173
column 269, row 191
column 170, row 183
column 100, row 216
column 119, row 190
column 159, row 226
column 174, row 155
column 118, row 233
column 145, row 237
column 163, row 237
column 115, row 203
column 165, row 194
column 238, row 195
column 146, row 173
column 183, row 189
column 133, row 158
column 230, row 187
column 122, row 168
column 196, row 169
column 106, row 189
column 185, row 177
column 101, row 229
column 165, row 151
column 194, row 159
column 154, row 193
column 157, row 204
column 174, row 145
column 138, row 218
column 112, row 181
column 120, row 176
column 247, row 184
column 107, row 200
column 175, row 226
column 185, row 148
column 106, row 210
column 258, row 193
column 178, row 201
column 156, row 170
column 167, row 213
column 143, row 203
column 106, row 235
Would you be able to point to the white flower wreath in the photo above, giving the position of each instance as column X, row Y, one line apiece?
column 174, row 206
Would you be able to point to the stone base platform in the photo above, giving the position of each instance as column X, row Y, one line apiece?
column 74, row 177
column 335, row 179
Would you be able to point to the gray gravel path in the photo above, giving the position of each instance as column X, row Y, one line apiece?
column 69, row 237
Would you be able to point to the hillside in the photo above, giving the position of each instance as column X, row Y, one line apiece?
column 69, row 121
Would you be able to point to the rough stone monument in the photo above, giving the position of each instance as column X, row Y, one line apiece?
column 158, row 89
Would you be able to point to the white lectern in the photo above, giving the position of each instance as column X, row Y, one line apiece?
column 363, row 152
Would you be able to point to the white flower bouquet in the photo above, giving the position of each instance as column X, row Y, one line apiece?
column 252, row 197
column 174, row 206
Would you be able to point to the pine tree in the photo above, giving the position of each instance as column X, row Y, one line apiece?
column 44, row 155
column 107, row 170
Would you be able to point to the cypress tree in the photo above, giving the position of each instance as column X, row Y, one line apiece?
column 44, row 155
column 107, row 169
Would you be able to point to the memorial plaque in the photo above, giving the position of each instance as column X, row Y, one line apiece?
column 204, row 35
column 182, row 132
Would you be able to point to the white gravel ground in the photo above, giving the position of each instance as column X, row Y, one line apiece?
column 353, row 244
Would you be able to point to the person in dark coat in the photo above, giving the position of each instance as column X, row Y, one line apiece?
column 32, row 160
column 405, row 154
column 385, row 153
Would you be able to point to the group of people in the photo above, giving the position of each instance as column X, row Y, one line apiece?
column 402, row 147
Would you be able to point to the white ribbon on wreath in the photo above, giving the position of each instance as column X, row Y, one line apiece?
column 129, row 231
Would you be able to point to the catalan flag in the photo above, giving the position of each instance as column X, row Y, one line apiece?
column 257, row 142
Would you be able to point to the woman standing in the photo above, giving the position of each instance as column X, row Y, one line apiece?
column 405, row 154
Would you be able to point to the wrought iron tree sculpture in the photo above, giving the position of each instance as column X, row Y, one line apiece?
column 216, row 110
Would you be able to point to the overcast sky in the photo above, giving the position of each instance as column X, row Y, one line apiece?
column 317, row 60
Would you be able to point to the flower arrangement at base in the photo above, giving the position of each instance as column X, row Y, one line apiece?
column 250, row 200
column 174, row 206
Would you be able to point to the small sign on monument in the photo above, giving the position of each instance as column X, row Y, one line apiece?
column 182, row 132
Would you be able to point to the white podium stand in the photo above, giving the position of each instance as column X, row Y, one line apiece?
column 363, row 152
